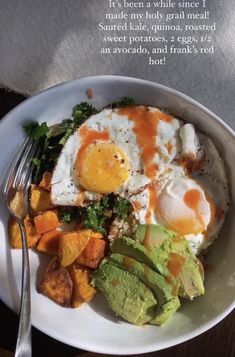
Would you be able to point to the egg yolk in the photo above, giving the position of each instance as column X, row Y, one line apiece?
column 183, row 209
column 194, row 224
column 186, row 225
column 103, row 168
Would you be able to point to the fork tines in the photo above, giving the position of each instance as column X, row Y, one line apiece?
column 19, row 177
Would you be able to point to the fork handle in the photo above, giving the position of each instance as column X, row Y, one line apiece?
column 23, row 345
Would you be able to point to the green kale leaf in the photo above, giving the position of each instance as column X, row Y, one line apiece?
column 122, row 207
column 124, row 101
column 69, row 214
column 83, row 110
column 80, row 113
column 53, row 138
column 37, row 131
column 98, row 215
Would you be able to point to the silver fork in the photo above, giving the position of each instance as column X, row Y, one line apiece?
column 16, row 194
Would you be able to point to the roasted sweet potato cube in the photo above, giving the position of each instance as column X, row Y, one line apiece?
column 40, row 199
column 93, row 253
column 32, row 235
column 88, row 232
column 15, row 235
column 46, row 221
column 57, row 284
column 16, row 203
column 46, row 181
column 72, row 245
column 49, row 242
column 82, row 289
column 96, row 235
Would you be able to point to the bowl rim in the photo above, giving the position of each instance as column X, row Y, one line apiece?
column 118, row 78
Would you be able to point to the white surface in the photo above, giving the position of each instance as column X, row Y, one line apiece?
column 94, row 327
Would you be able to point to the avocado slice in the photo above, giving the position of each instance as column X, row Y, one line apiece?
column 127, row 296
column 131, row 248
column 152, row 234
column 183, row 266
column 155, row 281
column 168, row 304
column 173, row 259
column 167, row 310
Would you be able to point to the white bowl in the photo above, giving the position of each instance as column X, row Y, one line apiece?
column 94, row 327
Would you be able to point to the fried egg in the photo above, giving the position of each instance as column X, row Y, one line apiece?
column 115, row 151
column 191, row 197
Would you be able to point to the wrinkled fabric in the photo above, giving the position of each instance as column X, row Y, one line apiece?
column 43, row 43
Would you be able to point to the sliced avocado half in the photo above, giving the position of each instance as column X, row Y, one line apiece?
column 173, row 259
column 168, row 304
column 127, row 296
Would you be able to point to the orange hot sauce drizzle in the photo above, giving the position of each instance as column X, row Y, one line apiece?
column 145, row 129
column 175, row 289
column 165, row 117
column 115, row 282
column 215, row 212
column 192, row 200
column 137, row 205
column 191, row 166
column 88, row 137
column 129, row 262
column 175, row 264
column 147, row 237
column 169, row 147
column 152, row 204
column 177, row 238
